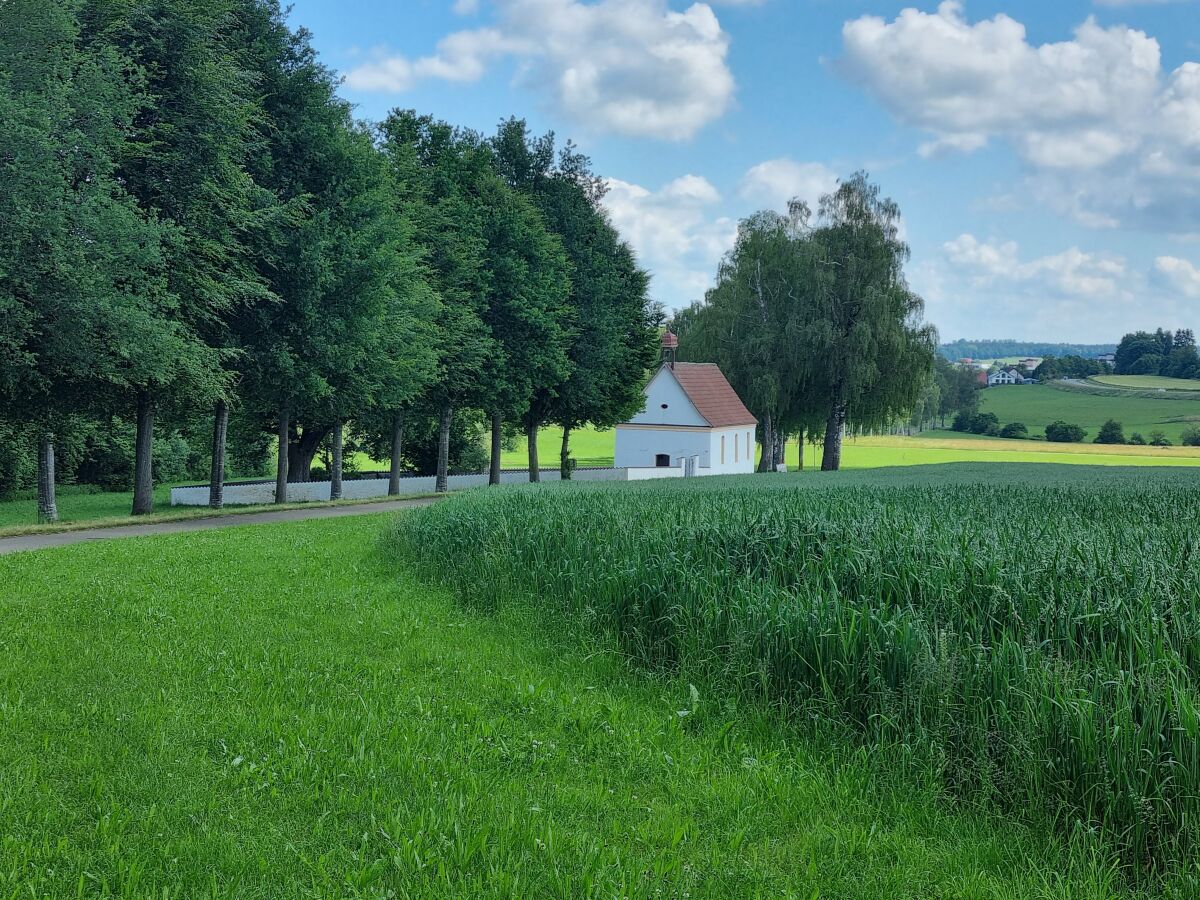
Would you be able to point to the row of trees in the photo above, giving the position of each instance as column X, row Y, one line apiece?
column 1070, row 367
column 813, row 322
column 1165, row 353
column 194, row 219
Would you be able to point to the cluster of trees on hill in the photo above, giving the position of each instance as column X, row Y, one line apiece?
column 813, row 322
column 1000, row 349
column 952, row 390
column 1070, row 367
column 1165, row 353
column 1112, row 432
column 195, row 223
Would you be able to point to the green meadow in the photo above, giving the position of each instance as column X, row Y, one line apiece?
column 590, row 447
column 1148, row 382
column 288, row 711
column 1040, row 404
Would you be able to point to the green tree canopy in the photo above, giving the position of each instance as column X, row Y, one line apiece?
column 609, row 326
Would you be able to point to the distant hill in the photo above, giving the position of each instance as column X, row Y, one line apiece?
column 1001, row 349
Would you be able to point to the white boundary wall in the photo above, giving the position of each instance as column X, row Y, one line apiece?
column 259, row 492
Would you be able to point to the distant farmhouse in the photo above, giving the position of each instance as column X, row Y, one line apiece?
column 692, row 418
column 1008, row 376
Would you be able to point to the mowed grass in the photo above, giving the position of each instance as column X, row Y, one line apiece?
column 589, row 447
column 77, row 503
column 879, row 452
column 1027, row 635
column 1148, row 382
column 1039, row 404
column 283, row 711
column 950, row 447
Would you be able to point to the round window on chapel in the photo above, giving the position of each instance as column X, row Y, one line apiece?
column 665, row 405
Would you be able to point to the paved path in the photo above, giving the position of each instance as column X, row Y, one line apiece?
column 63, row 538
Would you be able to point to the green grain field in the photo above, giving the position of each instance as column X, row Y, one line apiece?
column 286, row 711
column 1027, row 636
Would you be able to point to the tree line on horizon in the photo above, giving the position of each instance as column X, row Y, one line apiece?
column 197, row 226
column 1004, row 348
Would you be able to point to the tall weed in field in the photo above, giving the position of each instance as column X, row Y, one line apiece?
column 1040, row 645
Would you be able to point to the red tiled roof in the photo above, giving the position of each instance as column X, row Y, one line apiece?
column 712, row 395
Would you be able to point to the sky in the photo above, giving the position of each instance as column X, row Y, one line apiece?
column 1045, row 153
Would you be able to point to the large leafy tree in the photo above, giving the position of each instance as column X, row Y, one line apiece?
column 88, row 313
column 348, row 330
column 612, row 326
column 437, row 168
column 815, row 324
column 185, row 162
column 866, row 334
column 525, row 308
column 749, row 322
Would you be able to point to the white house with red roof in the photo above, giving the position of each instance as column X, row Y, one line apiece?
column 691, row 413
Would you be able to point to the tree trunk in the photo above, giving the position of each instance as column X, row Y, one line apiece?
column 766, row 463
column 779, row 455
column 442, row 483
column 831, row 459
column 535, row 471
column 335, row 476
column 564, row 456
column 281, row 466
column 216, row 478
column 47, row 504
column 397, row 450
column 143, row 459
column 800, row 443
column 301, row 453
column 497, row 448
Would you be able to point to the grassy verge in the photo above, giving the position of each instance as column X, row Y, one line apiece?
column 284, row 713
column 178, row 513
column 1043, row 663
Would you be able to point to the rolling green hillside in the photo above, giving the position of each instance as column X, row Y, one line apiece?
column 1148, row 382
column 1038, row 405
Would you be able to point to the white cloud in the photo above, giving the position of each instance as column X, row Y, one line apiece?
column 1109, row 137
column 676, row 233
column 989, row 260
column 979, row 287
column 1071, row 272
column 1182, row 275
column 777, row 181
column 633, row 67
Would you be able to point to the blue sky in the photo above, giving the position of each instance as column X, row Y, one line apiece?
column 1046, row 155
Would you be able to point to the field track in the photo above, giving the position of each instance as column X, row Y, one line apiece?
column 63, row 538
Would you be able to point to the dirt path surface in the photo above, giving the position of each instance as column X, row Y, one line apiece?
column 64, row 538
